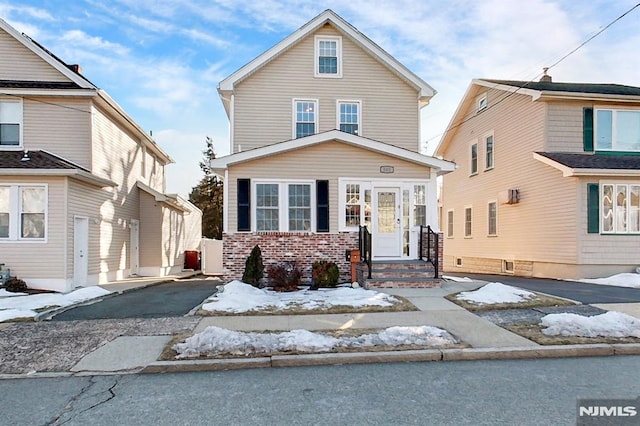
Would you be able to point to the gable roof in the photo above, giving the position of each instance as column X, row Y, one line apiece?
column 226, row 86
column 43, row 163
column 538, row 90
column 576, row 164
column 222, row 163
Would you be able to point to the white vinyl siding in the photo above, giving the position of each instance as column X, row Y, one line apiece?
column 262, row 102
column 20, row 63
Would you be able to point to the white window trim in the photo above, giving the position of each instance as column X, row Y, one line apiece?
column 317, row 40
column 615, row 184
column 613, row 127
column 470, row 235
column 347, row 101
column 493, row 150
column 21, row 123
column 283, row 203
column 482, row 102
column 15, row 207
column 453, row 231
column 489, row 218
column 471, row 144
column 365, row 185
column 294, row 117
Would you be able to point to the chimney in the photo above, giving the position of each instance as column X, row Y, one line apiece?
column 75, row 68
column 545, row 77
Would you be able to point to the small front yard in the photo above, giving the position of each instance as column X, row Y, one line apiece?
column 237, row 297
column 548, row 320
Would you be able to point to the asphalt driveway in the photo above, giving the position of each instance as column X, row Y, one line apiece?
column 172, row 299
column 581, row 292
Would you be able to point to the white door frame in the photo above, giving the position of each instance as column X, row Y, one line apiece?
column 388, row 245
column 134, row 247
column 80, row 251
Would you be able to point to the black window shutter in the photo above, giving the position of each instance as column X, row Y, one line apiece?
column 322, row 205
column 588, row 129
column 244, row 205
column 593, row 208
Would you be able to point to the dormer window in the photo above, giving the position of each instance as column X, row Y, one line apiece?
column 328, row 56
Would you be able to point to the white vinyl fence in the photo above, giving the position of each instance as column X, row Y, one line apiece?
column 211, row 257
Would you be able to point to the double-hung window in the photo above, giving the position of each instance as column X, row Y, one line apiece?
column 488, row 150
column 468, row 217
column 473, row 159
column 10, row 123
column 492, row 218
column 419, row 205
column 284, row 206
column 349, row 117
column 617, row 130
column 328, row 56
column 23, row 210
column 450, row 224
column 305, row 117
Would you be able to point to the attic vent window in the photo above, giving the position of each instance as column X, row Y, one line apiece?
column 482, row 102
column 328, row 56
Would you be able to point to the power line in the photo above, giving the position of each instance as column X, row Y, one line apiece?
column 508, row 95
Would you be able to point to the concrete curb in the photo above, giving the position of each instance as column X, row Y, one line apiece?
column 465, row 354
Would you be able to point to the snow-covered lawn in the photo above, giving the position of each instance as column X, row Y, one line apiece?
column 216, row 341
column 19, row 305
column 621, row 280
column 238, row 297
column 495, row 293
column 609, row 324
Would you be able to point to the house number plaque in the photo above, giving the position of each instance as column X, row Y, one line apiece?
column 386, row 169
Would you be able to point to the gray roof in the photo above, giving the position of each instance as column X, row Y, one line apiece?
column 594, row 161
column 604, row 89
column 40, row 160
column 25, row 84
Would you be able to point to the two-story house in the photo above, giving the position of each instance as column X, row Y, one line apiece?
column 82, row 186
column 325, row 138
column 548, row 179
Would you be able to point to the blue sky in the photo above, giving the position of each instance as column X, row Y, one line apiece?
column 162, row 60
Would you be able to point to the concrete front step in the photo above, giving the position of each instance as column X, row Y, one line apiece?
column 401, row 283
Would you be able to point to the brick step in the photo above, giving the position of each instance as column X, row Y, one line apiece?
column 402, row 283
column 401, row 264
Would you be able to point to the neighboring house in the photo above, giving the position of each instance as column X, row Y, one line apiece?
column 81, row 184
column 325, row 138
column 547, row 181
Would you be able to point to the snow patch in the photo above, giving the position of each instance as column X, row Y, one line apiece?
column 609, row 324
column 494, row 293
column 241, row 297
column 457, row 279
column 621, row 280
column 214, row 341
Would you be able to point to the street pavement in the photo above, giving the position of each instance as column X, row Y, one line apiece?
column 116, row 346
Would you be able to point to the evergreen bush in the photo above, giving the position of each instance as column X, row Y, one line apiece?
column 15, row 285
column 325, row 273
column 253, row 268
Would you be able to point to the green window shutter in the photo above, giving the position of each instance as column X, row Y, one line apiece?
column 593, row 208
column 322, row 205
column 244, row 205
column 587, row 129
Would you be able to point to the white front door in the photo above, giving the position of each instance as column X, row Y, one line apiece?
column 80, row 251
column 386, row 223
column 134, row 243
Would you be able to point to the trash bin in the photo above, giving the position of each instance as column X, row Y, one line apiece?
column 191, row 260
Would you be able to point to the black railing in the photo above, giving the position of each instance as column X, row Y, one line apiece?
column 433, row 246
column 364, row 245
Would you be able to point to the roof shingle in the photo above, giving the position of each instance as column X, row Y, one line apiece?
column 594, row 161
column 40, row 160
column 604, row 89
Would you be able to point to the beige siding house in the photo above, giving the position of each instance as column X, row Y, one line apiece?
column 547, row 181
column 81, row 185
column 325, row 141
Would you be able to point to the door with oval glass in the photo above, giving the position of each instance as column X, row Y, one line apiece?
column 386, row 223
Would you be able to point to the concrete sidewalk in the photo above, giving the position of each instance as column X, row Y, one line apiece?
column 487, row 340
